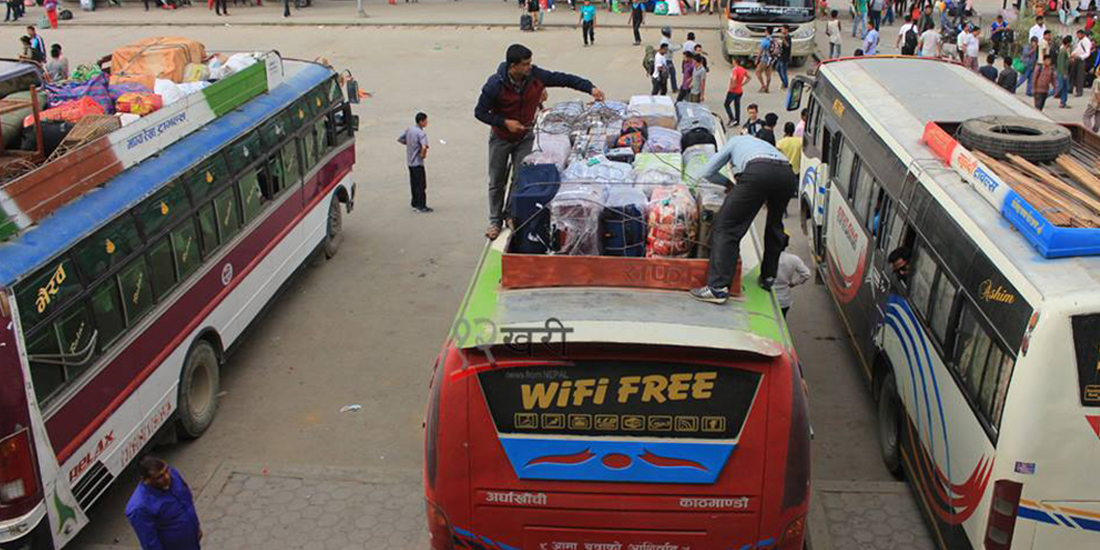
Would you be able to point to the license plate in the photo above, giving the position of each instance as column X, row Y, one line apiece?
column 541, row 538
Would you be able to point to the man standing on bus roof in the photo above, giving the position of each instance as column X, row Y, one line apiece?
column 508, row 103
column 162, row 510
column 764, row 176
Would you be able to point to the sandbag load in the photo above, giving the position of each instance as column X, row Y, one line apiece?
column 695, row 160
column 536, row 186
column 550, row 149
column 623, row 222
column 657, row 110
column 598, row 169
column 653, row 170
column 164, row 57
column 662, row 140
column 672, row 220
column 575, row 218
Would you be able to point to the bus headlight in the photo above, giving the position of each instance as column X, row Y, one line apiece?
column 742, row 32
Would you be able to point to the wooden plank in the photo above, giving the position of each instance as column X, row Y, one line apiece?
column 545, row 271
column 1052, row 207
column 1057, row 184
column 1080, row 174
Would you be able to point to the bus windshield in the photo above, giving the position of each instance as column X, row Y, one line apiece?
column 766, row 11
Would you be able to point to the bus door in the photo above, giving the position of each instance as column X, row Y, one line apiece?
column 818, row 194
column 886, row 224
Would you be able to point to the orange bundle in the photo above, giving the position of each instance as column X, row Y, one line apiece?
column 138, row 103
column 672, row 221
column 69, row 111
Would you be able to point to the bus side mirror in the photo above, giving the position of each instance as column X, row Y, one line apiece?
column 794, row 94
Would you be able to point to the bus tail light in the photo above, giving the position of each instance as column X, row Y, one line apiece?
column 1002, row 514
column 793, row 535
column 439, row 529
column 18, row 479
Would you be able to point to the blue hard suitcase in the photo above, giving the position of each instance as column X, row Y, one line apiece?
column 535, row 187
column 623, row 231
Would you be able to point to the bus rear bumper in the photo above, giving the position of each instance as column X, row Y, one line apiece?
column 30, row 532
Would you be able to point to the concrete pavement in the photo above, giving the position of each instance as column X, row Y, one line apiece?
column 448, row 13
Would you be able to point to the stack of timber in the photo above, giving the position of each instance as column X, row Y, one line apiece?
column 1066, row 191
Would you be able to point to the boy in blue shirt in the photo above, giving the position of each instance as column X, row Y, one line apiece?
column 588, row 22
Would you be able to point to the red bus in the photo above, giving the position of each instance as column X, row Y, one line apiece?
column 118, row 306
column 587, row 402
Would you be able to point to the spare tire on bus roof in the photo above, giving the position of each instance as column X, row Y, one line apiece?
column 1032, row 139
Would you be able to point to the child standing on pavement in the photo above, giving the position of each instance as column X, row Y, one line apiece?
column 588, row 22
column 415, row 140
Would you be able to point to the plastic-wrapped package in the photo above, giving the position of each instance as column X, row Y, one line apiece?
column 672, row 222
column 710, row 198
column 549, row 149
column 575, row 218
column 560, row 117
column 621, row 154
column 662, row 140
column 694, row 115
column 618, row 106
column 695, row 159
column 652, row 170
column 623, row 223
column 598, row 169
column 657, row 110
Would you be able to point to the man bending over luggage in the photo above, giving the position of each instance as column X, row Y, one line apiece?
column 509, row 100
column 764, row 176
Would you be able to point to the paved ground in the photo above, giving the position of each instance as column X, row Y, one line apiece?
column 867, row 515
column 377, row 13
column 365, row 327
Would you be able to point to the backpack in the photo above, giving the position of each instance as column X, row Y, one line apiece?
column 647, row 60
column 911, row 40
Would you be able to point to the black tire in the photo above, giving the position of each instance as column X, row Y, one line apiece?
column 798, row 61
column 334, row 228
column 1034, row 140
column 889, row 425
column 198, row 391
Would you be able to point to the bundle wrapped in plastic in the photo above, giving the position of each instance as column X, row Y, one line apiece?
column 70, row 111
column 657, row 110
column 622, row 224
column 560, row 118
column 575, row 218
column 694, row 115
column 598, row 169
column 549, row 149
column 652, row 170
column 619, row 107
column 695, row 159
column 710, row 197
column 662, row 140
column 672, row 215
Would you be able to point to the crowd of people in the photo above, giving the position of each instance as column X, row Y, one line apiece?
column 1050, row 64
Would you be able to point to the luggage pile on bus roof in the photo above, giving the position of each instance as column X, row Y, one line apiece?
column 617, row 179
column 134, row 103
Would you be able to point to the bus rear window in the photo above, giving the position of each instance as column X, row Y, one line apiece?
column 621, row 399
column 1086, row 342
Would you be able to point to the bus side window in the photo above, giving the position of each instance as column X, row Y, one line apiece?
column 137, row 293
column 323, row 139
column 922, row 274
column 971, row 350
column 252, row 197
column 289, row 154
column 842, row 170
column 107, row 309
column 880, row 216
column 108, row 248
column 208, row 227
column 49, row 376
column 185, row 249
column 164, row 267
column 225, row 208
column 276, row 178
column 158, row 212
column 943, row 301
column 864, row 188
column 1007, row 366
column 309, row 149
